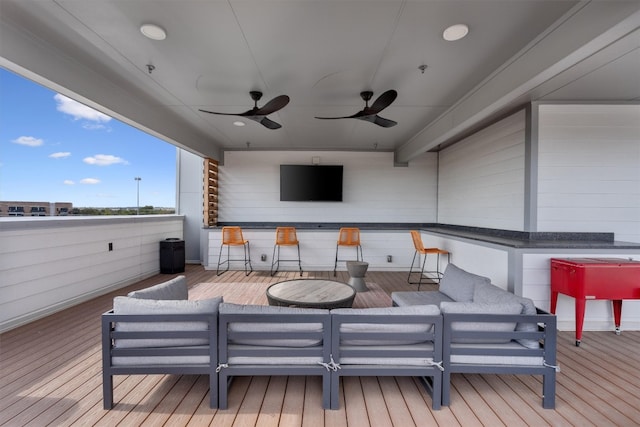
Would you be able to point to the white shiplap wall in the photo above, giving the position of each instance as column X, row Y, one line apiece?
column 374, row 190
column 589, row 169
column 47, row 264
column 481, row 179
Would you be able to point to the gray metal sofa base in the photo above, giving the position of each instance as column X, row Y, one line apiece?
column 366, row 350
column 507, row 358
column 248, row 353
column 144, row 360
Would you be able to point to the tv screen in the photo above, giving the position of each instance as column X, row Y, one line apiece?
column 310, row 183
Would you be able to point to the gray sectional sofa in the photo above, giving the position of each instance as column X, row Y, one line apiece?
column 469, row 325
column 489, row 330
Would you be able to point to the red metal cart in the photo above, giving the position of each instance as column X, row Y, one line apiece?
column 585, row 279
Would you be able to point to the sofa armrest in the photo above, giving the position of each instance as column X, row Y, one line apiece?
column 506, row 358
column 198, row 340
column 138, row 358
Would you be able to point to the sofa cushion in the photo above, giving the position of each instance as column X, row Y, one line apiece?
column 160, row 360
column 362, row 359
column 426, row 310
column 404, row 299
column 487, row 359
column 126, row 305
column 228, row 308
column 174, row 289
column 481, row 308
column 459, row 284
column 489, row 293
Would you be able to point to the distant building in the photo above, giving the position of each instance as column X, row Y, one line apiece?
column 35, row 208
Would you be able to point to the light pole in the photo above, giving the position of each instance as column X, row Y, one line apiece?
column 138, row 179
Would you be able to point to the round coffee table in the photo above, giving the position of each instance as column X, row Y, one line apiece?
column 311, row 293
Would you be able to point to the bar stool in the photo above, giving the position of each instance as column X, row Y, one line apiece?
column 232, row 236
column 285, row 236
column 350, row 237
column 420, row 249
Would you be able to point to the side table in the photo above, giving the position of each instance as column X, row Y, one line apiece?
column 357, row 270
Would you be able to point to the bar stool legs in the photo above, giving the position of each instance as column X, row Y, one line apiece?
column 437, row 274
column 232, row 236
column 348, row 236
column 421, row 250
column 285, row 236
column 276, row 260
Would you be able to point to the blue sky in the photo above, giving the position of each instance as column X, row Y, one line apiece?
column 54, row 149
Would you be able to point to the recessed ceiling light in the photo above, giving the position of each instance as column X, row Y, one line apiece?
column 153, row 31
column 455, row 32
column 238, row 123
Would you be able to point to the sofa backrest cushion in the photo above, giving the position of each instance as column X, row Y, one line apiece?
column 370, row 327
column 259, row 326
column 474, row 326
column 408, row 298
column 459, row 284
column 174, row 289
column 489, row 293
column 126, row 305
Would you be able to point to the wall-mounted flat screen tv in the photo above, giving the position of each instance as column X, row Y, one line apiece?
column 311, row 183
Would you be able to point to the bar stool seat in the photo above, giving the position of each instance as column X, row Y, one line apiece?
column 421, row 250
column 349, row 237
column 285, row 236
column 232, row 236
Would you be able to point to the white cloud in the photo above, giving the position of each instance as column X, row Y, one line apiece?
column 104, row 160
column 89, row 181
column 68, row 182
column 94, row 126
column 79, row 111
column 60, row 155
column 29, row 141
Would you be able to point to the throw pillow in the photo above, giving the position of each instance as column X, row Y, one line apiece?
column 489, row 293
column 459, row 284
column 174, row 289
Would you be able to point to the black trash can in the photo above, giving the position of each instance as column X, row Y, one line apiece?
column 171, row 256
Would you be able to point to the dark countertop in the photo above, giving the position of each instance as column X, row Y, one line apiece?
column 542, row 240
column 510, row 238
column 329, row 225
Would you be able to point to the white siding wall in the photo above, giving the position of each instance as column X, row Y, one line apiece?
column 373, row 189
column 589, row 169
column 47, row 264
column 481, row 179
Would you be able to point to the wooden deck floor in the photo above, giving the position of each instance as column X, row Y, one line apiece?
column 50, row 374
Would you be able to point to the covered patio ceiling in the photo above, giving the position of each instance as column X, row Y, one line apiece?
column 322, row 54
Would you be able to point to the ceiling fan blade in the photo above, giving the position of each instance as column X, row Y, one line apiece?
column 380, row 121
column 223, row 114
column 272, row 106
column 359, row 115
column 268, row 123
column 382, row 102
column 335, row 118
column 385, row 123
